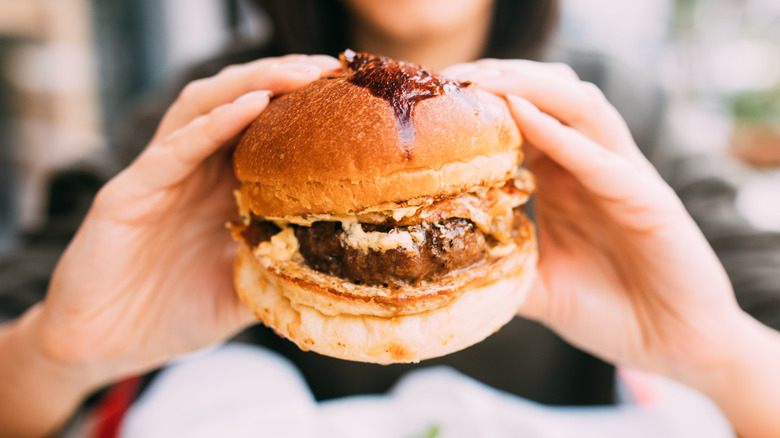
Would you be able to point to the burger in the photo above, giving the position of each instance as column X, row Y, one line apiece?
column 381, row 214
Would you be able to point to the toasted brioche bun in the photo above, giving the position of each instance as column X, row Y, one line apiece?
column 333, row 147
column 385, row 325
column 336, row 148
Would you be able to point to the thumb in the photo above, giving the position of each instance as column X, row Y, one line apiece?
column 536, row 305
column 536, row 301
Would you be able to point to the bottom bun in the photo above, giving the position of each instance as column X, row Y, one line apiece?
column 477, row 311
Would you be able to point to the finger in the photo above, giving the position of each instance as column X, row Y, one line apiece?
column 169, row 162
column 570, row 104
column 455, row 71
column 600, row 170
column 578, row 104
column 238, row 315
column 470, row 72
column 557, row 69
column 279, row 75
column 536, row 300
column 485, row 68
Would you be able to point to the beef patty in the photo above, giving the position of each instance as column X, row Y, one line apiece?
column 440, row 248
column 445, row 246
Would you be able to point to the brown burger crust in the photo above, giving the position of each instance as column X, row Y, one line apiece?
column 386, row 325
column 310, row 152
column 336, row 147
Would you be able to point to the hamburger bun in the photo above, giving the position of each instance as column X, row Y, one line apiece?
column 353, row 151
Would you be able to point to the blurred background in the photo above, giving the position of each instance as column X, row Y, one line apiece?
column 71, row 71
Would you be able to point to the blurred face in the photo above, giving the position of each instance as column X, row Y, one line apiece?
column 415, row 20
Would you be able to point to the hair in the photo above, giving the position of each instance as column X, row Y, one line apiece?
column 520, row 28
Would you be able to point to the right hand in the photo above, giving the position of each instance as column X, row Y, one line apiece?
column 149, row 276
column 624, row 272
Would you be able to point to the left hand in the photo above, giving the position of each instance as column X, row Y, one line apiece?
column 148, row 276
column 624, row 272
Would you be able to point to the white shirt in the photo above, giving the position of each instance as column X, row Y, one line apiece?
column 244, row 391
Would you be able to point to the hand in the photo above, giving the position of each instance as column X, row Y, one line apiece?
column 624, row 272
column 149, row 276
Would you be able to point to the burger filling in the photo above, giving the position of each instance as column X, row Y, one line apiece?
column 398, row 246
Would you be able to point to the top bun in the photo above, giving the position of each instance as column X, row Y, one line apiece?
column 376, row 133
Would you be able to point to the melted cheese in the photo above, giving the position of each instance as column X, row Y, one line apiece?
column 355, row 237
column 523, row 179
column 404, row 212
column 243, row 210
column 368, row 216
column 501, row 250
column 282, row 246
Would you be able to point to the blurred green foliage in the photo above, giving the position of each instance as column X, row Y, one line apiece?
column 757, row 107
column 431, row 432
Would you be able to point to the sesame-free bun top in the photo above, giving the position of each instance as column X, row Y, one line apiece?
column 376, row 133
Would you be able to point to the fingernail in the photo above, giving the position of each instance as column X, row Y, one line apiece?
column 522, row 104
column 484, row 73
column 255, row 96
column 297, row 67
column 326, row 61
column 456, row 70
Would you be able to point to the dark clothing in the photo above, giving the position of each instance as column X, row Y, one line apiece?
column 523, row 358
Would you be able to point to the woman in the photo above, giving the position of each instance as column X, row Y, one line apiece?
column 625, row 274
